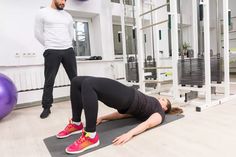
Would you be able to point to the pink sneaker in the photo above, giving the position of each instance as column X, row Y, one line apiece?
column 83, row 143
column 70, row 129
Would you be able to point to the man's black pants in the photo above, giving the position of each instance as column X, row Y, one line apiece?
column 52, row 60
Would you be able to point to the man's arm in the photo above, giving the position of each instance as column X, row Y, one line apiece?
column 154, row 120
column 38, row 28
column 71, row 27
column 112, row 116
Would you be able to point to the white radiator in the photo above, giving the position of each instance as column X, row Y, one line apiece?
column 33, row 79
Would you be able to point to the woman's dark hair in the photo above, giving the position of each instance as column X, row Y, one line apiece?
column 172, row 110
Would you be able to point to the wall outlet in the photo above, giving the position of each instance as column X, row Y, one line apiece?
column 17, row 54
column 29, row 54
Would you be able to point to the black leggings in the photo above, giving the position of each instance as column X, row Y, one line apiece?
column 86, row 91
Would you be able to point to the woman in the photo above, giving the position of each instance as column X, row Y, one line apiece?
column 85, row 93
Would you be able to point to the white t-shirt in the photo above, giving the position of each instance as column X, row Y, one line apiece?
column 54, row 28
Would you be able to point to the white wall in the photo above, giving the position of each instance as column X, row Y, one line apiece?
column 107, row 30
column 97, row 36
column 116, row 9
column 18, row 44
column 16, row 33
column 21, row 54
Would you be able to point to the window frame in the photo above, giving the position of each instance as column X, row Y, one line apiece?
column 89, row 21
column 117, row 23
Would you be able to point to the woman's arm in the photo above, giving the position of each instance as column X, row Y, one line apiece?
column 112, row 116
column 154, row 120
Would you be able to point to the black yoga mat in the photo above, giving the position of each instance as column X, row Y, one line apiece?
column 107, row 132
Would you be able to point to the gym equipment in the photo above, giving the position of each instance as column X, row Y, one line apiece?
column 132, row 70
column 8, row 95
column 95, row 58
column 194, row 94
column 107, row 131
column 150, row 61
column 151, row 68
column 192, row 71
column 209, row 101
column 190, row 95
column 131, row 67
column 169, row 28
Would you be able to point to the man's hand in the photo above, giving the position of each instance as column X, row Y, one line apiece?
column 122, row 139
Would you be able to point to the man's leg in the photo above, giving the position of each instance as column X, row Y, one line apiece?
column 52, row 61
column 69, row 63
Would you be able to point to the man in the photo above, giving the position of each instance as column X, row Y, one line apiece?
column 54, row 30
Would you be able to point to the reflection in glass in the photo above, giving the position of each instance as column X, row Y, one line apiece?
column 81, row 41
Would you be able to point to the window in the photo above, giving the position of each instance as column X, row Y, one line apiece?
column 81, row 41
column 117, row 37
column 127, row 2
column 115, row 1
column 130, row 40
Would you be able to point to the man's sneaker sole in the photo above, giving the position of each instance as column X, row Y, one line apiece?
column 75, row 132
column 89, row 147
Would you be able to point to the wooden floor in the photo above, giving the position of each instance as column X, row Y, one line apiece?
column 211, row 133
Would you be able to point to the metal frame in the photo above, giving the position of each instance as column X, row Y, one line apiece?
column 175, row 47
column 207, row 87
column 226, row 47
column 159, row 7
column 154, row 24
column 195, row 28
column 122, row 6
column 140, row 45
column 123, row 27
column 207, row 61
column 140, row 28
column 174, row 30
column 227, row 97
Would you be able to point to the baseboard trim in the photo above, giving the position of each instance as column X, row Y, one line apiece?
column 38, row 103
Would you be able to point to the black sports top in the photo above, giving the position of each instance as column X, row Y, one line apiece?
column 144, row 106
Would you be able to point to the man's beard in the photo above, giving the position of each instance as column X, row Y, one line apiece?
column 59, row 6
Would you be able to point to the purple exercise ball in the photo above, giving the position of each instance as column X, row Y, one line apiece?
column 8, row 95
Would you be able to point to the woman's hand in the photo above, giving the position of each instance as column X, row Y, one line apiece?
column 99, row 120
column 122, row 139
column 111, row 116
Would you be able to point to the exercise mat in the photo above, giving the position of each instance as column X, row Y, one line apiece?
column 107, row 131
